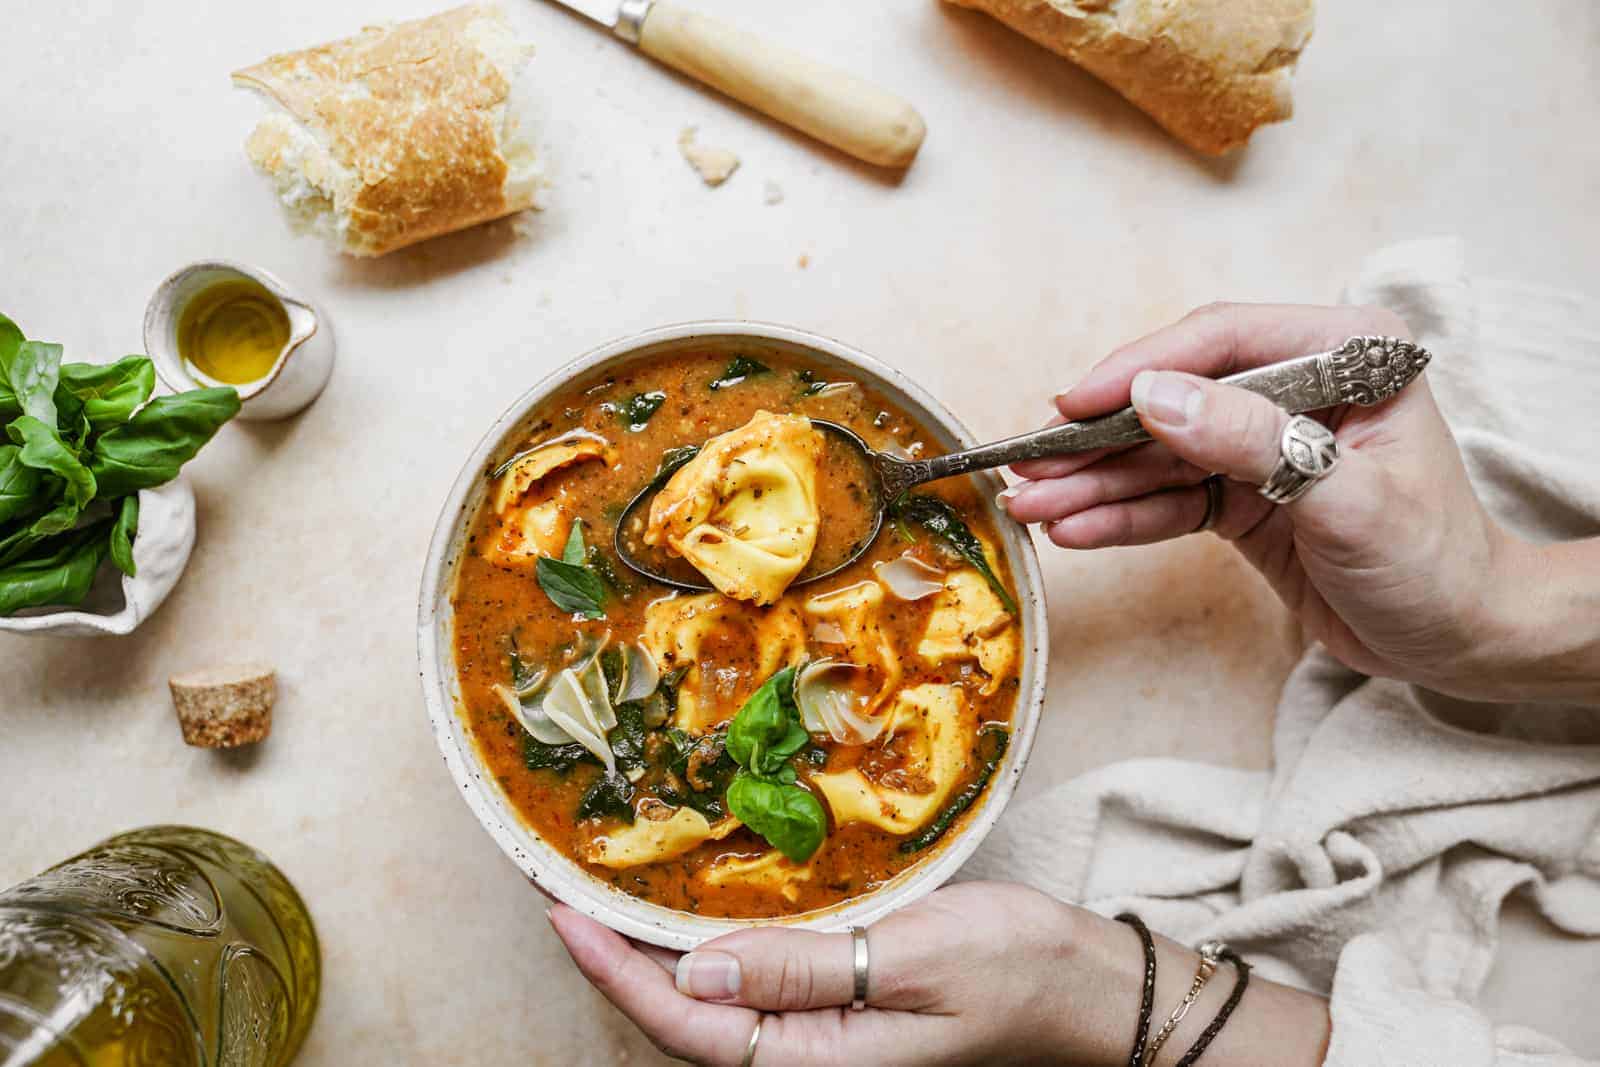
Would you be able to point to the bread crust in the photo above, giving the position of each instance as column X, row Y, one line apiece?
column 1209, row 71
column 410, row 117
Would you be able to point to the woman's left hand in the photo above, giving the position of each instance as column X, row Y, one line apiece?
column 974, row 972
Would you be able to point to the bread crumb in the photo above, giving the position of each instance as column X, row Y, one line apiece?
column 714, row 165
column 774, row 194
column 803, row 262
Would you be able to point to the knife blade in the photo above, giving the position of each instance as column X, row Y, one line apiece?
column 836, row 108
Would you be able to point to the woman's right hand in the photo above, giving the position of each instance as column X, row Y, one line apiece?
column 1390, row 561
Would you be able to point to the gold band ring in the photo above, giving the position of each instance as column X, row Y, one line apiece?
column 755, row 1039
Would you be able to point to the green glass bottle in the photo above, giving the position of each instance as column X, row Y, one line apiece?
column 163, row 947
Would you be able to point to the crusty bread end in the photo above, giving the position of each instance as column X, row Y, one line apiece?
column 1209, row 71
column 399, row 133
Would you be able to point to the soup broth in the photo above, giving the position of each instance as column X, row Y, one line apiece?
column 926, row 651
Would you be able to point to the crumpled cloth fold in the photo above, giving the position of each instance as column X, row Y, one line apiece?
column 1372, row 861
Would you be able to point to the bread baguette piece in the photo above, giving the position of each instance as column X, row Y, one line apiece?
column 400, row 133
column 222, row 707
column 1209, row 71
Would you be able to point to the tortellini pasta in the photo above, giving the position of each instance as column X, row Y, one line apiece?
column 744, row 511
column 968, row 622
column 937, row 730
column 650, row 839
column 852, row 616
column 720, row 640
column 772, row 873
column 535, row 517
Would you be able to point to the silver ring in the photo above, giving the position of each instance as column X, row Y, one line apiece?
column 1213, row 487
column 1307, row 453
column 755, row 1039
column 858, row 967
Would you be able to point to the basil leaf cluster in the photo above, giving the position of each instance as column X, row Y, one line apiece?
column 80, row 441
column 763, row 739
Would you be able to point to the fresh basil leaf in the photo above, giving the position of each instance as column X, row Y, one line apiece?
column 637, row 409
column 44, row 450
column 575, row 549
column 123, row 531
column 767, row 730
column 611, row 794
column 59, row 570
column 10, row 340
column 150, row 448
column 572, row 587
column 788, row 816
column 737, row 370
column 991, row 749
column 941, row 520
column 31, row 373
column 104, row 395
column 19, row 484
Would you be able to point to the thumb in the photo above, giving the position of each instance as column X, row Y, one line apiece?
column 771, row 969
column 1219, row 428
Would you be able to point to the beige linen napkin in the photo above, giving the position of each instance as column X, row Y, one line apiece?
column 1372, row 861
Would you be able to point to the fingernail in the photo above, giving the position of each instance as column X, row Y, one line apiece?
column 1166, row 397
column 1004, row 497
column 708, row 976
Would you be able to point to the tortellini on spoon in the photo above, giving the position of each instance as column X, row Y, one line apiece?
column 743, row 512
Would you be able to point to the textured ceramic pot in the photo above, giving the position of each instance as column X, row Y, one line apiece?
column 116, row 603
column 297, row 377
column 554, row 873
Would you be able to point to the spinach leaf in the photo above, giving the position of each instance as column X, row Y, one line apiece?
column 148, row 449
column 671, row 460
column 628, row 736
column 43, row 450
column 538, row 756
column 767, row 730
column 669, row 685
column 30, row 372
column 992, row 743
column 10, row 340
column 104, row 395
column 789, row 817
column 19, row 484
column 123, row 532
column 941, row 520
column 737, row 370
column 58, row 571
column 611, row 794
column 637, row 409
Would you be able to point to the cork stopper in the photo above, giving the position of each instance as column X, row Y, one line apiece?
column 225, row 706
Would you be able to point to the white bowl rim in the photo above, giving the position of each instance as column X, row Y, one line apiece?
column 555, row 874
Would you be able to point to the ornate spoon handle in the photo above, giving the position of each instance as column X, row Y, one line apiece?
column 1364, row 370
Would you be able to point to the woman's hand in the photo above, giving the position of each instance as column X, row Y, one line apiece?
column 1390, row 561
column 975, row 973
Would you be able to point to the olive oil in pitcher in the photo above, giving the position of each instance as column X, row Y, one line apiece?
column 233, row 332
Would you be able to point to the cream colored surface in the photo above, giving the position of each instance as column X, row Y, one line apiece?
column 840, row 109
column 1045, row 222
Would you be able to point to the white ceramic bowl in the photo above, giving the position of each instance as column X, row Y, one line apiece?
column 116, row 603
column 549, row 869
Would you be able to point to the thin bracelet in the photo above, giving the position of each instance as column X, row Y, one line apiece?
column 1148, row 997
column 1210, row 952
column 1232, row 1002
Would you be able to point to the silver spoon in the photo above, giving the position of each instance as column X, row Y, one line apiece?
column 1363, row 371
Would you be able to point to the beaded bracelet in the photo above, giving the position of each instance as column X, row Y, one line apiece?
column 1148, row 997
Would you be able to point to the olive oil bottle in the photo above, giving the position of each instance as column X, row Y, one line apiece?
column 164, row 947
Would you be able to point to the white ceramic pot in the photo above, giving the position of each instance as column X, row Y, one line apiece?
column 554, row 873
column 116, row 603
column 296, row 378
